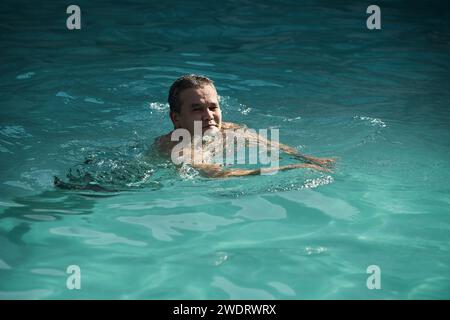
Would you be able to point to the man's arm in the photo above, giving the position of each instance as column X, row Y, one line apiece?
column 215, row 171
column 327, row 162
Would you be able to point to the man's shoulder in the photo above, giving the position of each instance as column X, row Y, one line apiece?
column 231, row 125
column 163, row 143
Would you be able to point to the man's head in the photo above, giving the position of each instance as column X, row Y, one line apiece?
column 194, row 98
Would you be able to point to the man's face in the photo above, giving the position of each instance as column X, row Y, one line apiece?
column 198, row 104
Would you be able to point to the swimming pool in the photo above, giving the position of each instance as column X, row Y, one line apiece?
column 378, row 100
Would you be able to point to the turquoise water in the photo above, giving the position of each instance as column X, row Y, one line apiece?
column 377, row 100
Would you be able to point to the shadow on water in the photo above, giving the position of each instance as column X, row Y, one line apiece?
column 46, row 206
column 105, row 172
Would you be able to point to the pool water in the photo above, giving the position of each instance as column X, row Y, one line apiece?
column 378, row 100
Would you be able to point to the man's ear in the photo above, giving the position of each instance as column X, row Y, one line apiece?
column 175, row 117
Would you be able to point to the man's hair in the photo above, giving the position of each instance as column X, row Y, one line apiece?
column 183, row 83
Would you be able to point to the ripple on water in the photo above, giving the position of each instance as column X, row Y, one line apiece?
column 333, row 207
column 236, row 292
column 95, row 237
column 26, row 75
column 15, row 132
column 28, row 295
column 373, row 121
column 166, row 227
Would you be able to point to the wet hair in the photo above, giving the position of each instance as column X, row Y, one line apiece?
column 183, row 83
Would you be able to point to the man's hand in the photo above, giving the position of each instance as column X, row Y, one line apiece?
column 325, row 162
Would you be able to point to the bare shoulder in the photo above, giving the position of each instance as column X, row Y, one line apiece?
column 231, row 125
column 163, row 143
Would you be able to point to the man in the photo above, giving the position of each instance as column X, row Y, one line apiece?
column 193, row 98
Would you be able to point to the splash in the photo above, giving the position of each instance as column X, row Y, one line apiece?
column 372, row 121
column 114, row 169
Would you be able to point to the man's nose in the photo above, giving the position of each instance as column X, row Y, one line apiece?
column 208, row 114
